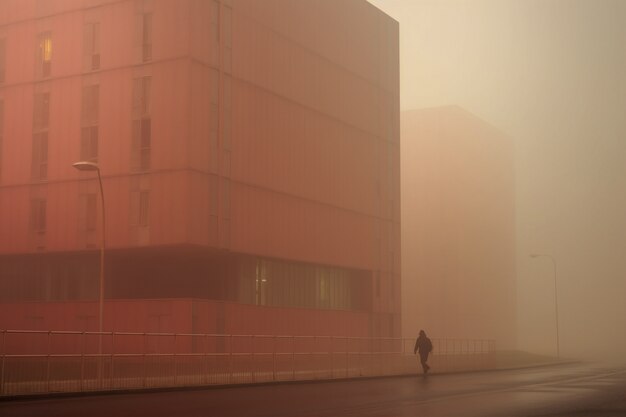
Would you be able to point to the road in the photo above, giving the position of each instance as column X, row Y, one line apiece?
column 566, row 390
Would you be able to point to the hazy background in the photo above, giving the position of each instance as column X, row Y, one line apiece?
column 552, row 75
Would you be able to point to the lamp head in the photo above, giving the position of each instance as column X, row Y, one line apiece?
column 86, row 166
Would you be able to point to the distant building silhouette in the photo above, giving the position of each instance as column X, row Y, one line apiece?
column 250, row 160
column 458, row 225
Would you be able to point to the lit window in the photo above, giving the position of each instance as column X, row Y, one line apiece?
column 44, row 54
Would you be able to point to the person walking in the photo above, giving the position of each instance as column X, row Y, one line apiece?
column 424, row 346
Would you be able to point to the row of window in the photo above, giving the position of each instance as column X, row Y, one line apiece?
column 89, row 142
column 141, row 139
column 139, row 212
column 91, row 48
column 219, row 28
column 178, row 274
column 290, row 284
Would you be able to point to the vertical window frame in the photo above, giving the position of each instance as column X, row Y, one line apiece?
column 44, row 54
column 3, row 59
column 146, row 36
column 91, row 45
column 38, row 216
column 141, row 152
column 90, row 115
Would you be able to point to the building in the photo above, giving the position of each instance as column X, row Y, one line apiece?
column 458, row 235
column 250, row 166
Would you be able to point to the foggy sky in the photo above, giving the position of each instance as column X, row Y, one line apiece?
column 551, row 74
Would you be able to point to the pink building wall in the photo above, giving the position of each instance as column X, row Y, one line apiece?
column 304, row 166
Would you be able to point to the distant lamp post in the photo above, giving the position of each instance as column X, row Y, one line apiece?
column 91, row 166
column 556, row 302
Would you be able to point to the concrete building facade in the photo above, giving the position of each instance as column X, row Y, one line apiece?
column 250, row 160
column 458, row 237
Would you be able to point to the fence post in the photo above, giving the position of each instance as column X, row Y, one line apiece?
column 143, row 359
column 112, row 372
column 313, row 355
column 230, row 360
column 293, row 358
column 253, row 361
column 332, row 362
column 174, row 359
column 274, row 361
column 82, row 361
column 347, row 357
column 4, row 354
column 48, row 363
column 205, row 365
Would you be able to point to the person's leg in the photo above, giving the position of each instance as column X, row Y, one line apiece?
column 423, row 359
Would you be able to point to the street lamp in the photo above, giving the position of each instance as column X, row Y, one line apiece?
column 91, row 166
column 556, row 303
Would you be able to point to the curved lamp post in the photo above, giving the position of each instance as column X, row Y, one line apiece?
column 556, row 302
column 92, row 166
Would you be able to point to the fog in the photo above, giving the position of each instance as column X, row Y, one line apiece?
column 549, row 74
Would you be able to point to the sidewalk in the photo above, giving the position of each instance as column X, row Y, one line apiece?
column 517, row 359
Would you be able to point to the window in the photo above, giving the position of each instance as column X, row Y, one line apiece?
column 41, row 111
column 227, row 26
column 226, row 114
column 226, row 37
column 40, row 156
column 140, row 208
column 213, row 209
column 44, row 54
column 225, row 198
column 91, row 46
column 38, row 215
column 89, row 123
column 146, row 37
column 3, row 48
column 261, row 283
column 214, row 32
column 90, row 104
column 142, row 124
column 41, row 121
column 89, row 144
column 280, row 283
column 90, row 211
column 1, row 133
column 142, row 138
column 213, row 119
column 142, row 87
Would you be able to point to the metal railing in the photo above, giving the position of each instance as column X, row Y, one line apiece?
column 38, row 362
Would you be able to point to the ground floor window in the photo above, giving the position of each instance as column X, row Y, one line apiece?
column 185, row 273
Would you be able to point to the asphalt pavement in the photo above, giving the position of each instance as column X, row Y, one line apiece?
column 567, row 390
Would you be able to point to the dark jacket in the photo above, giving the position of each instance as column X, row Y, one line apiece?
column 423, row 345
